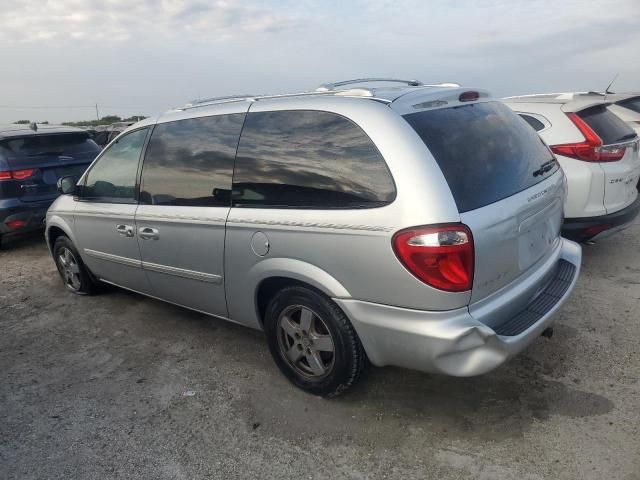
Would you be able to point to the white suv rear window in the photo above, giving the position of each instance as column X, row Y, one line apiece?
column 606, row 124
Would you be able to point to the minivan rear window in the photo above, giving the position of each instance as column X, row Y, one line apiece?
column 485, row 151
column 607, row 125
column 67, row 144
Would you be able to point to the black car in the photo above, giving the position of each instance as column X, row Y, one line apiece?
column 32, row 158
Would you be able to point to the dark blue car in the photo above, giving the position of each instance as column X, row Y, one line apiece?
column 32, row 158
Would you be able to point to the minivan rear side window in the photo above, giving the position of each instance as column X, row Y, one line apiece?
column 308, row 159
column 190, row 162
column 485, row 153
column 607, row 125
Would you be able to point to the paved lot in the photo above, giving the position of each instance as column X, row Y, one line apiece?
column 94, row 387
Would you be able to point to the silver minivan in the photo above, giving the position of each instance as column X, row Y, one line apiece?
column 407, row 225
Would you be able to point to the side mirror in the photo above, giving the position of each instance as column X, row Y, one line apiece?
column 67, row 185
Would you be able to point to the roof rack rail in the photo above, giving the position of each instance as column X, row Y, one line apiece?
column 444, row 84
column 352, row 92
column 229, row 98
column 332, row 86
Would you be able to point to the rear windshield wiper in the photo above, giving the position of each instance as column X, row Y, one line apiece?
column 43, row 154
column 628, row 136
column 545, row 167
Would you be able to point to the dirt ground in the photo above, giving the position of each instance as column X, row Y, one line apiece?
column 121, row 386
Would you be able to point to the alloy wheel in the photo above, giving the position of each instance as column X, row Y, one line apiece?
column 69, row 269
column 305, row 341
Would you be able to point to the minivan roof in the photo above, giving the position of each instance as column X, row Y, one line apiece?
column 10, row 131
column 386, row 93
column 360, row 89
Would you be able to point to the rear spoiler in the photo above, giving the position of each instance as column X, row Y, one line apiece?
column 579, row 105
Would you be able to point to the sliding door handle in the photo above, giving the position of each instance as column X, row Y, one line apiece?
column 148, row 233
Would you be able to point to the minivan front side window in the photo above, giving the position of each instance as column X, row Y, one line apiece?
column 112, row 178
column 308, row 159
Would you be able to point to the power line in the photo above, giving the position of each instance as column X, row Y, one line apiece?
column 74, row 106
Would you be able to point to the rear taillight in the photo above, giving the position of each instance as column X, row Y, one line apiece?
column 592, row 149
column 22, row 174
column 17, row 174
column 15, row 224
column 440, row 255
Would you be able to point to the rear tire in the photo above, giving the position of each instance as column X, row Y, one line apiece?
column 72, row 270
column 312, row 341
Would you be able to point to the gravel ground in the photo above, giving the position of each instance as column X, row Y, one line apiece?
column 121, row 386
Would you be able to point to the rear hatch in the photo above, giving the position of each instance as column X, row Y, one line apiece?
column 506, row 183
column 33, row 163
column 617, row 154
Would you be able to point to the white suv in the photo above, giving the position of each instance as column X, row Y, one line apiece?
column 598, row 153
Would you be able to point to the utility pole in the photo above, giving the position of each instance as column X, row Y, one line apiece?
column 97, row 114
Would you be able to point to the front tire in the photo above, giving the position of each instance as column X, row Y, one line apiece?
column 73, row 272
column 312, row 341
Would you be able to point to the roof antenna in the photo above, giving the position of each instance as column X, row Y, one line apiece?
column 33, row 126
column 607, row 91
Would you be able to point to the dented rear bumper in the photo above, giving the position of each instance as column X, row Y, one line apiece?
column 456, row 342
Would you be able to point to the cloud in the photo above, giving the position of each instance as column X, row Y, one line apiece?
column 144, row 56
column 137, row 20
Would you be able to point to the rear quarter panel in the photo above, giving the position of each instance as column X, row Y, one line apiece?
column 350, row 250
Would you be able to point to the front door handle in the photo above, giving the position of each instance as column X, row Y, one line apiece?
column 148, row 233
column 125, row 230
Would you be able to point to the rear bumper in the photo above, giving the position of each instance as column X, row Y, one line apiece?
column 583, row 229
column 30, row 215
column 455, row 342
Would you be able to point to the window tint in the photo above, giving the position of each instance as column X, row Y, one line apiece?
column 309, row 159
column 66, row 144
column 536, row 124
column 607, row 125
column 101, row 138
column 190, row 162
column 485, row 153
column 632, row 103
column 113, row 177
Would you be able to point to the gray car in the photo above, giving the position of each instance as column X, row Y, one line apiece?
column 407, row 225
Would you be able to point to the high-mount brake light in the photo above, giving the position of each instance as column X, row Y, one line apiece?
column 469, row 97
column 592, row 149
column 441, row 256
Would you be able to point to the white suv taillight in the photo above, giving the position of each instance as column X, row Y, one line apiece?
column 592, row 149
column 442, row 256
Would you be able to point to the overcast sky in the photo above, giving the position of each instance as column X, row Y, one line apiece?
column 144, row 56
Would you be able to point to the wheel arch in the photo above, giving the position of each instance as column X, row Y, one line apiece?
column 276, row 273
column 56, row 226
